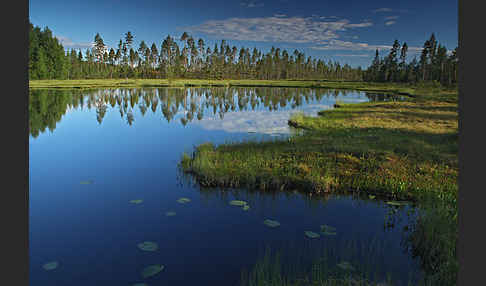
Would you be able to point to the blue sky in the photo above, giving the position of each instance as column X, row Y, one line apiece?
column 347, row 31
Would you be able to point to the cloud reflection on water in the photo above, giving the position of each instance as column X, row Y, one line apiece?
column 266, row 122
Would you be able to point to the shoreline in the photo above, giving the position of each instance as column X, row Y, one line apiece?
column 400, row 89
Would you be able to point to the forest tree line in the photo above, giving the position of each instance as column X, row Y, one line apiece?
column 434, row 65
column 192, row 59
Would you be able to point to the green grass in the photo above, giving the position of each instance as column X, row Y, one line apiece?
column 398, row 150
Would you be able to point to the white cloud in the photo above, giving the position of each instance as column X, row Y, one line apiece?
column 392, row 17
column 349, row 46
column 251, row 4
column 353, row 55
column 379, row 10
column 413, row 50
column 353, row 46
column 388, row 23
column 266, row 122
column 389, row 10
column 69, row 44
column 277, row 29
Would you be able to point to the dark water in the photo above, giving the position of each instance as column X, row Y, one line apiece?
column 127, row 144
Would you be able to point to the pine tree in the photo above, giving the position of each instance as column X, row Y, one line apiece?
column 403, row 65
column 99, row 47
column 40, row 65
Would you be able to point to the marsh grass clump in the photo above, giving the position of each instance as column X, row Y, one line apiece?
column 327, row 264
column 433, row 239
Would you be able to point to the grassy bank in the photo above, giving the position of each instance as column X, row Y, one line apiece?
column 110, row 83
column 399, row 150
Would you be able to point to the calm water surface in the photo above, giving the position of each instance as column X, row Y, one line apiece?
column 126, row 143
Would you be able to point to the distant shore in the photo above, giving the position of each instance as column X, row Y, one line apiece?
column 403, row 89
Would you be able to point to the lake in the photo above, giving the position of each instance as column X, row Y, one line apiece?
column 104, row 179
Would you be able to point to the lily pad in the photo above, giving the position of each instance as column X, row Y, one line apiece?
column 246, row 207
column 396, row 203
column 238, row 203
column 152, row 270
column 345, row 266
column 50, row 265
column 311, row 234
column 371, row 197
column 271, row 223
column 87, row 182
column 136, row 202
column 328, row 230
column 170, row 213
column 326, row 227
column 148, row 246
column 183, row 200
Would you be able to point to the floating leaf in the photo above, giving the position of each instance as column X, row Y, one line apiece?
column 170, row 213
column 396, row 203
column 152, row 270
column 148, row 246
column 371, row 197
column 87, row 182
column 326, row 227
column 271, row 223
column 328, row 230
column 183, row 200
column 246, row 207
column 50, row 265
column 345, row 266
column 136, row 201
column 311, row 234
column 238, row 203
